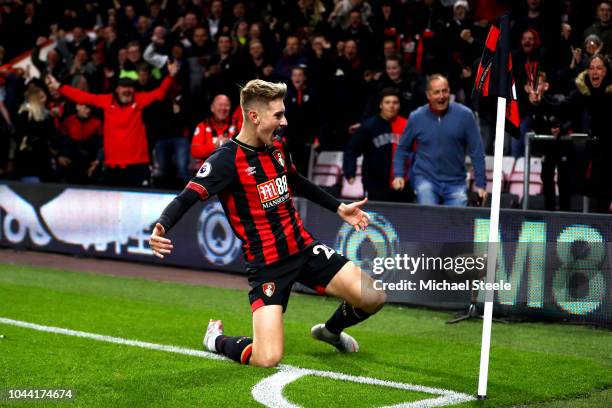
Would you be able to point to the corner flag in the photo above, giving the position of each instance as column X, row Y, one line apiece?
column 494, row 78
column 494, row 75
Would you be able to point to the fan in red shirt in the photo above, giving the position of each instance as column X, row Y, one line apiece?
column 126, row 154
column 79, row 146
column 212, row 132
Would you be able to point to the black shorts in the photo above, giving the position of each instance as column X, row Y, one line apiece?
column 314, row 267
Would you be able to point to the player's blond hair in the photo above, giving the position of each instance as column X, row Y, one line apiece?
column 259, row 91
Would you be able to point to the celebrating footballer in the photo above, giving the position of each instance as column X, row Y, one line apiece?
column 255, row 180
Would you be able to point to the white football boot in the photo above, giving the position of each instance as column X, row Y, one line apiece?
column 214, row 330
column 343, row 342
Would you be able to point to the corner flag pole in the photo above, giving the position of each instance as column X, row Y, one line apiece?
column 492, row 247
column 494, row 78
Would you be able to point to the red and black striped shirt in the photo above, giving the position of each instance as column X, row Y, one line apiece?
column 253, row 185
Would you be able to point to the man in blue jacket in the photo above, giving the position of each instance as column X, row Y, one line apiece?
column 444, row 131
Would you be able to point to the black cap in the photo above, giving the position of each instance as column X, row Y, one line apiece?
column 126, row 82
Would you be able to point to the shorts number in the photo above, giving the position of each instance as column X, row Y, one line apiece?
column 327, row 250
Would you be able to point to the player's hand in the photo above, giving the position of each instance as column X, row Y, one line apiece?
column 398, row 183
column 161, row 246
column 354, row 215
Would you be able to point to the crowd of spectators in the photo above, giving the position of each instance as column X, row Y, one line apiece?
column 337, row 56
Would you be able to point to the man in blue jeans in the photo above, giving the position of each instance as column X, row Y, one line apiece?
column 444, row 131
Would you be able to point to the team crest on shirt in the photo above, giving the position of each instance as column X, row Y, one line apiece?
column 278, row 155
column 268, row 288
column 204, row 170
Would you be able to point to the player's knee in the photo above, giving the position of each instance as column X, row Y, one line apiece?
column 374, row 301
column 381, row 299
column 266, row 360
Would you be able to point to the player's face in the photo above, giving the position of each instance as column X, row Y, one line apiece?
column 271, row 120
column 438, row 94
column 389, row 107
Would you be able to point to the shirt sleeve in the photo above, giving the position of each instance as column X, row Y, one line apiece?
column 402, row 153
column 147, row 98
column 217, row 173
column 353, row 150
column 202, row 146
column 475, row 150
column 85, row 98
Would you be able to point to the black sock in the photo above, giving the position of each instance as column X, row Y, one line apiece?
column 237, row 348
column 345, row 316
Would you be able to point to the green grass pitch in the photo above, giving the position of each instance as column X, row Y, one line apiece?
column 535, row 364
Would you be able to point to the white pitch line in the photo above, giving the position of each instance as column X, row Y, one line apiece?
column 269, row 390
column 110, row 339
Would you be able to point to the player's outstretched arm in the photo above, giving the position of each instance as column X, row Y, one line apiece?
column 354, row 215
column 314, row 193
column 170, row 216
column 161, row 246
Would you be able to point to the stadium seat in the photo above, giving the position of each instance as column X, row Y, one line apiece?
column 516, row 187
column 354, row 191
column 330, row 158
column 326, row 175
column 516, row 178
column 534, row 173
column 327, row 171
column 507, row 167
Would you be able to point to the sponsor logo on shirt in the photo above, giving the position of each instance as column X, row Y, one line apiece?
column 273, row 192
